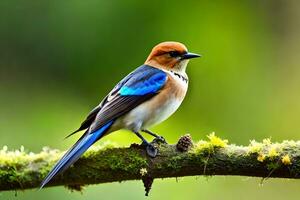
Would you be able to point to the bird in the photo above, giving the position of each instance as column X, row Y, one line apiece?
column 144, row 98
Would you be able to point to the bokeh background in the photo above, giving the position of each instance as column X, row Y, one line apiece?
column 58, row 59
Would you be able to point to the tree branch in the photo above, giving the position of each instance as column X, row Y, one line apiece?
column 21, row 170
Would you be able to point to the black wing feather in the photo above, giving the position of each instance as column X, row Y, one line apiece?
column 88, row 121
column 119, row 106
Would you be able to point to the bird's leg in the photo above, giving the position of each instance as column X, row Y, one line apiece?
column 150, row 133
column 157, row 137
column 145, row 142
column 150, row 149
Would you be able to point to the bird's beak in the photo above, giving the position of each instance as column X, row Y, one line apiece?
column 189, row 55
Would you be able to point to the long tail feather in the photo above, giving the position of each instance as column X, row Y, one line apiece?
column 73, row 154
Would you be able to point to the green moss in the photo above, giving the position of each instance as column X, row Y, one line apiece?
column 273, row 166
column 100, row 148
column 158, row 166
column 209, row 146
column 130, row 161
column 255, row 147
column 216, row 141
column 273, row 153
column 175, row 163
column 266, row 150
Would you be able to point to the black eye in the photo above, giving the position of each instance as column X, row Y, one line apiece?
column 174, row 54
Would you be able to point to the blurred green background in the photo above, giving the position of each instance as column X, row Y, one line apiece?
column 58, row 59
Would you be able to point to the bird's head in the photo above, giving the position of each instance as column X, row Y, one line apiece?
column 170, row 56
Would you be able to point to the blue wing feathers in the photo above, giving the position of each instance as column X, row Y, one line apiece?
column 75, row 152
column 145, row 80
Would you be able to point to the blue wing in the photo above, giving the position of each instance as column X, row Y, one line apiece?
column 144, row 84
column 135, row 88
column 139, row 86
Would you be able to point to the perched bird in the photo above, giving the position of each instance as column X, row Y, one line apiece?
column 145, row 97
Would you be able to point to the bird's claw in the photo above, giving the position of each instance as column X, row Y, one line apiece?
column 151, row 150
column 160, row 139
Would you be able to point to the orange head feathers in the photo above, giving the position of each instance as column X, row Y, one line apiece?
column 170, row 55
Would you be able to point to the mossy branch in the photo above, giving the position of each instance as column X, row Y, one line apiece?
column 21, row 170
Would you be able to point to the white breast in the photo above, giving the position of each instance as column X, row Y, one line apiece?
column 143, row 117
column 162, row 113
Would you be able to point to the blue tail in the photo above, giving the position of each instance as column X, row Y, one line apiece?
column 73, row 154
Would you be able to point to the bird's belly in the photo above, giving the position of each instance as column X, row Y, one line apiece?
column 150, row 113
column 162, row 112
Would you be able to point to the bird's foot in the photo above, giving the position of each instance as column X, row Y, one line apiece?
column 150, row 149
column 160, row 139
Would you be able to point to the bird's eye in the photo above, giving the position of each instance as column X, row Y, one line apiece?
column 174, row 54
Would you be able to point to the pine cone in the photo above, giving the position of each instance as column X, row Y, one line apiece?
column 184, row 143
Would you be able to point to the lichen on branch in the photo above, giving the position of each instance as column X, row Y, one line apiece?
column 108, row 163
